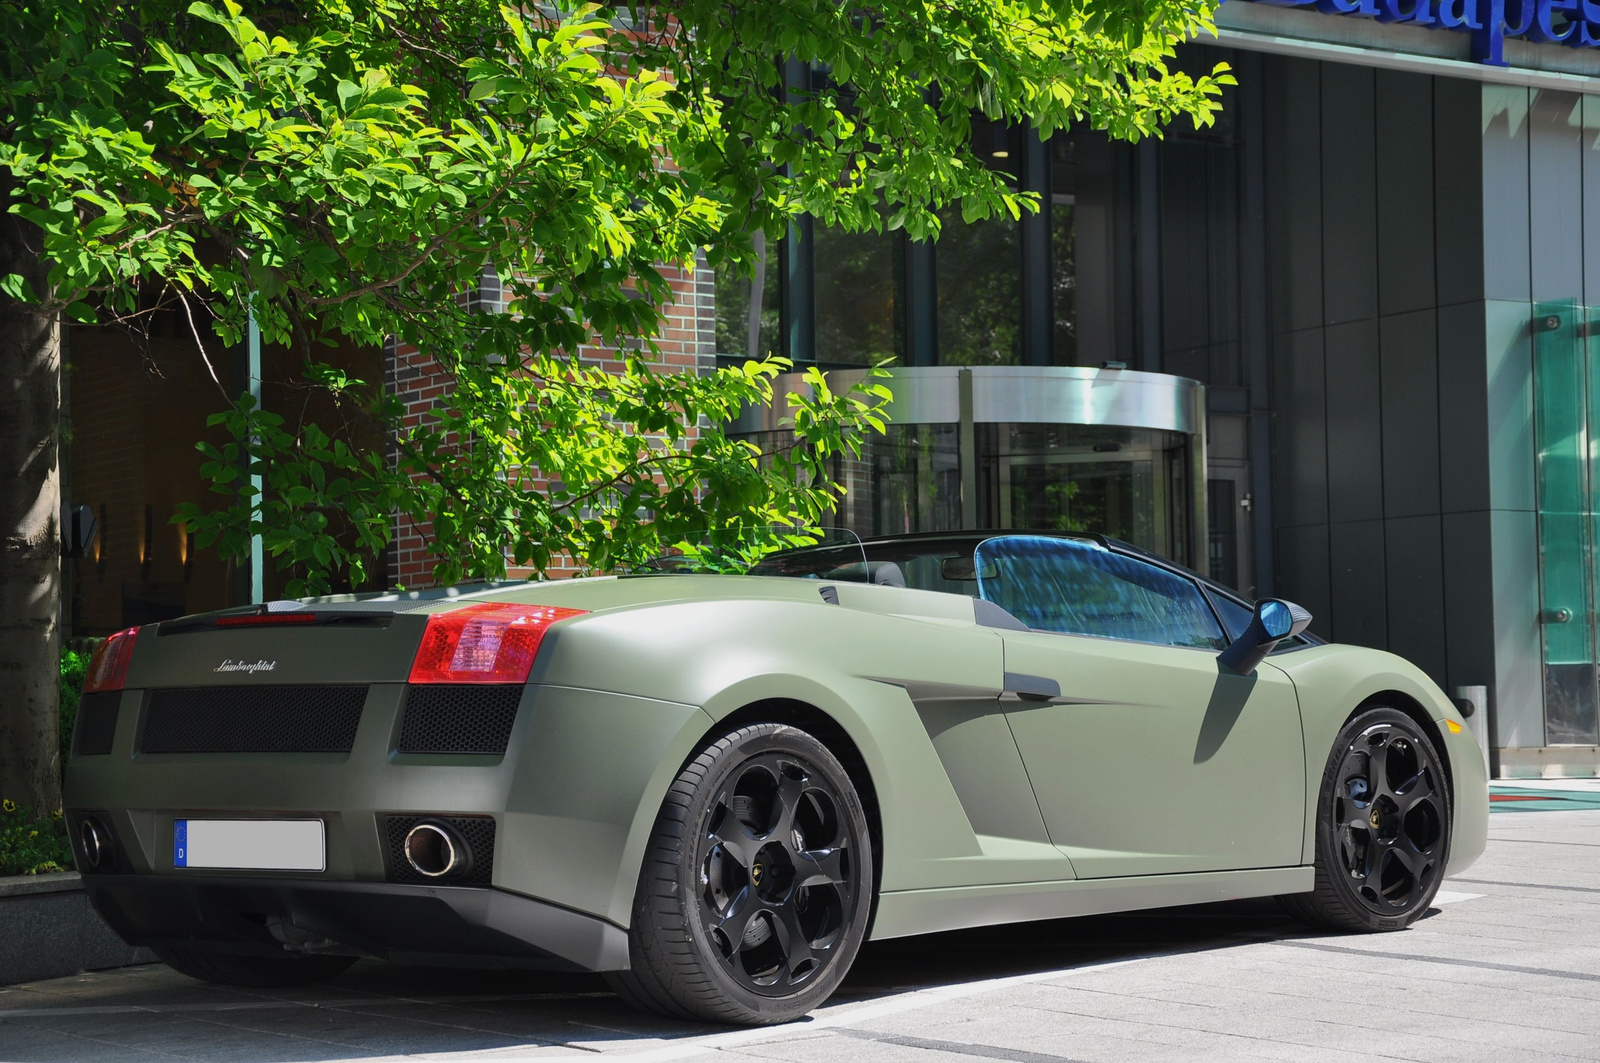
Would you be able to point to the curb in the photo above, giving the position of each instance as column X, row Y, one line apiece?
column 48, row 929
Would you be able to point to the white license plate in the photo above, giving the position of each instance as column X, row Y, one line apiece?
column 249, row 844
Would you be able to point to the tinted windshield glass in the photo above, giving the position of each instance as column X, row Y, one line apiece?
column 1235, row 616
column 1082, row 588
column 929, row 565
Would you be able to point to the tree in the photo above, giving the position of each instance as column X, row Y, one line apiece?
column 349, row 170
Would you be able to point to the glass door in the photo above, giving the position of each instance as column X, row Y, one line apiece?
column 1566, row 389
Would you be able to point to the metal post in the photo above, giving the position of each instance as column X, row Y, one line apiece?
column 1200, row 523
column 1038, row 313
column 1473, row 701
column 968, row 444
column 798, row 293
column 249, row 582
column 1148, row 251
column 921, row 299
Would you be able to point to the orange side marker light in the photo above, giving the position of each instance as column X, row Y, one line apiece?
column 1455, row 728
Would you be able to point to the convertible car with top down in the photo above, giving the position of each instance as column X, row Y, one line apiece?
column 714, row 789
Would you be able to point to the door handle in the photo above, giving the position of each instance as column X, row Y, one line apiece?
column 1032, row 687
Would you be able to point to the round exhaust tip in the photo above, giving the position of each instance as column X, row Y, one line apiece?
column 435, row 850
column 95, row 841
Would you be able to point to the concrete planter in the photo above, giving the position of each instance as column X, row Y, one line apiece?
column 48, row 929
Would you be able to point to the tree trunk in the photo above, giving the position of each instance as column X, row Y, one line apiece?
column 30, row 529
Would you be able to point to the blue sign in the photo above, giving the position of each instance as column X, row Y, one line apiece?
column 1491, row 22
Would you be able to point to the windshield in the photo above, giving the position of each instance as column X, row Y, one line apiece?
column 933, row 564
column 946, row 564
column 1083, row 588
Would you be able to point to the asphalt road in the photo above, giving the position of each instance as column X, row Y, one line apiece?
column 1507, row 967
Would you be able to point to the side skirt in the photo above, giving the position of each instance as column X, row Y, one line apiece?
column 927, row 911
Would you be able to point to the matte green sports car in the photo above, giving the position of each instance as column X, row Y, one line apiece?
column 715, row 788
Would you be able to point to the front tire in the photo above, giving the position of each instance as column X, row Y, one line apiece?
column 1383, row 827
column 256, row 972
column 755, row 891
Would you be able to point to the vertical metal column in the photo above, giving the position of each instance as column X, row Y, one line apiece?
column 66, row 616
column 1199, row 518
column 922, row 306
column 1147, row 250
column 1255, row 324
column 967, row 445
column 797, row 293
column 249, row 585
column 1038, row 317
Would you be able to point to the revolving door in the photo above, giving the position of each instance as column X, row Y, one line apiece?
column 1107, row 451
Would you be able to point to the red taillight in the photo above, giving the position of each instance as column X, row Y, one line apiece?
column 108, row 668
column 254, row 619
column 485, row 643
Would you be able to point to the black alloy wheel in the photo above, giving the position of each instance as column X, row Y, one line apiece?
column 1383, row 827
column 754, row 896
column 775, row 883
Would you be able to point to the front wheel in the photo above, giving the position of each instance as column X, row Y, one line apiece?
column 756, row 887
column 1383, row 827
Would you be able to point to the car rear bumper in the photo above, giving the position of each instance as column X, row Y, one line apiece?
column 433, row 925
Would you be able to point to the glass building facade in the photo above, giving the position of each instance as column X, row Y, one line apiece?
column 1374, row 271
column 1338, row 347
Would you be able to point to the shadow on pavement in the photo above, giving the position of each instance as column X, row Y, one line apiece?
column 1027, row 948
column 376, row 1010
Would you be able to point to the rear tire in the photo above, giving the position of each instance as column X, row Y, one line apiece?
column 756, row 887
column 257, row 972
column 1383, row 827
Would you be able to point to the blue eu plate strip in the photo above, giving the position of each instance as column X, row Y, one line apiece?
column 180, row 843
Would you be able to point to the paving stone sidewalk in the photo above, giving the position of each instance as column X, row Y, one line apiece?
column 1506, row 968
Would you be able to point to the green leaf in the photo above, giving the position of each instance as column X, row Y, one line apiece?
column 17, row 287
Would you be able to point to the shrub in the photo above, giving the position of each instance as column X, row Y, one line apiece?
column 74, row 666
column 31, row 844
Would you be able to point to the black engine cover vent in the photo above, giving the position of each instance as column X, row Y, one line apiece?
column 96, row 725
column 458, row 718
column 476, row 831
column 264, row 719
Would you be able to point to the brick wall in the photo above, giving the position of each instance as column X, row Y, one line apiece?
column 686, row 339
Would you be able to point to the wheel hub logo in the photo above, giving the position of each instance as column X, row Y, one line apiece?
column 756, row 871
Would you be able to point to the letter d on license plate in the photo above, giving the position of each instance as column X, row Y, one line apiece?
column 249, row 844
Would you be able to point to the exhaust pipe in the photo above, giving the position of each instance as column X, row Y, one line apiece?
column 434, row 850
column 95, row 841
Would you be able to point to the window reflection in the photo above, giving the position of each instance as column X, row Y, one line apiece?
column 917, row 479
column 1124, row 483
column 979, row 268
column 747, row 306
column 1100, row 479
column 858, row 299
column 1063, row 205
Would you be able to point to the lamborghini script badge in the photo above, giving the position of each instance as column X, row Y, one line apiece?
column 245, row 666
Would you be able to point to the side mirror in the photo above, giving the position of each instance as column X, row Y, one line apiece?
column 1274, row 621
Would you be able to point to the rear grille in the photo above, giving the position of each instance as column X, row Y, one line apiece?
column 267, row 719
column 476, row 831
column 96, row 725
column 463, row 718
